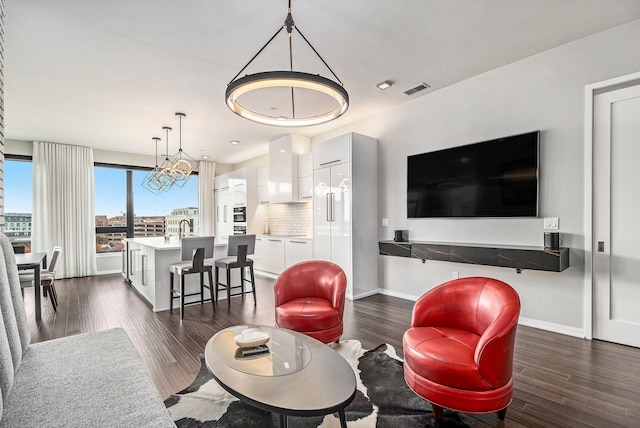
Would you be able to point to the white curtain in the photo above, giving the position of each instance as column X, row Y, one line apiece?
column 64, row 206
column 206, row 202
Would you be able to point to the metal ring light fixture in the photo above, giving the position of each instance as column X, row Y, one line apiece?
column 291, row 79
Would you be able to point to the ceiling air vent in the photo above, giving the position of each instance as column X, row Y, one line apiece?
column 417, row 89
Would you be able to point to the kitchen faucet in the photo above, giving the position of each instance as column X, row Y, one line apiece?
column 184, row 220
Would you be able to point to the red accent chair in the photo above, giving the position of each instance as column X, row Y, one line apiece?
column 459, row 350
column 309, row 298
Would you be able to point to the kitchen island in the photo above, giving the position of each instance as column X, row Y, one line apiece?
column 145, row 265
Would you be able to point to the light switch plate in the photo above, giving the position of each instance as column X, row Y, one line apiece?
column 551, row 223
column 385, row 222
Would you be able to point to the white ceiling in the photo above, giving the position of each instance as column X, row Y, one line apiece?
column 110, row 74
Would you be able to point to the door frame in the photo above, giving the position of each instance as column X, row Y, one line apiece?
column 590, row 92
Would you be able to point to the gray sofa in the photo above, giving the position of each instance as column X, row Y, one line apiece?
column 88, row 380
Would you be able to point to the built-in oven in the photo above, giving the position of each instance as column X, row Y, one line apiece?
column 239, row 230
column 239, row 214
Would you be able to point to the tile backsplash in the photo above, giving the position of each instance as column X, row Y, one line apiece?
column 291, row 219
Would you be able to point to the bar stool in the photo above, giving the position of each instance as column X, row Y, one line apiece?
column 239, row 246
column 193, row 252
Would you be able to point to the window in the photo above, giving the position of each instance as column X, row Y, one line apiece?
column 159, row 215
column 18, row 187
column 153, row 215
column 148, row 215
column 111, row 208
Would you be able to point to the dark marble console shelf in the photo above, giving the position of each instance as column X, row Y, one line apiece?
column 534, row 258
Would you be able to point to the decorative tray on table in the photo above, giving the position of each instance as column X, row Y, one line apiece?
column 252, row 341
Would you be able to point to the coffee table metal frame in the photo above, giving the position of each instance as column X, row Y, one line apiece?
column 327, row 384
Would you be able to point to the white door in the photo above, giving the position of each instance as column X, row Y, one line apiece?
column 616, row 261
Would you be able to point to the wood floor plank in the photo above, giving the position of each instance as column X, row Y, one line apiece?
column 559, row 381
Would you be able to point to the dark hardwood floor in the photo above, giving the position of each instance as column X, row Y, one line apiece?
column 560, row 381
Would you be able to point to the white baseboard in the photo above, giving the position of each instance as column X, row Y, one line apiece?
column 529, row 322
column 108, row 272
column 549, row 326
column 398, row 295
column 266, row 274
column 363, row 295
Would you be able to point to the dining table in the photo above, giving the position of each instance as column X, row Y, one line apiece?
column 35, row 261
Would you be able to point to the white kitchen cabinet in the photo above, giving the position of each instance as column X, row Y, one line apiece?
column 305, row 188
column 332, row 152
column 283, row 167
column 259, row 253
column 135, row 270
column 221, row 182
column 239, row 195
column 231, row 193
column 263, row 184
column 345, row 209
column 224, row 213
column 297, row 250
column 305, row 176
column 269, row 254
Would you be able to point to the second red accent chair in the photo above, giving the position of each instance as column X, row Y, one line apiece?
column 459, row 350
column 309, row 298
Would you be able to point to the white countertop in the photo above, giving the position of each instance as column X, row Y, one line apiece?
column 158, row 243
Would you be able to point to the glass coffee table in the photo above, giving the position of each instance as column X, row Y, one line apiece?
column 298, row 376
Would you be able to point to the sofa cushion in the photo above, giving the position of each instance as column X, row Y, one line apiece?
column 6, row 365
column 89, row 380
column 15, row 291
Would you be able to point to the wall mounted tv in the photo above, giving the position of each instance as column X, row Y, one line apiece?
column 496, row 178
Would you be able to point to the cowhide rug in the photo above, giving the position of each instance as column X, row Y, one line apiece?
column 382, row 399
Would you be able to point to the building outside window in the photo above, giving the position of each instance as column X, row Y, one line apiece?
column 18, row 179
column 151, row 212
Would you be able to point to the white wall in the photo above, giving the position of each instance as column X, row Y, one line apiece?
column 543, row 92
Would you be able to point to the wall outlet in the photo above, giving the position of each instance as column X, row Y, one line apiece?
column 551, row 223
column 455, row 274
column 385, row 222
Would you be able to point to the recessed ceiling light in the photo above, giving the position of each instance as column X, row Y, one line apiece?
column 205, row 156
column 384, row 85
column 235, row 142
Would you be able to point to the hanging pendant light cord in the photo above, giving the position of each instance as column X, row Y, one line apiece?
column 180, row 128
column 289, row 26
column 166, row 128
column 156, row 140
column 255, row 56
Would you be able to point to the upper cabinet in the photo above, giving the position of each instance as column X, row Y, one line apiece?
column 221, row 182
column 305, row 176
column 328, row 154
column 283, row 167
column 263, row 184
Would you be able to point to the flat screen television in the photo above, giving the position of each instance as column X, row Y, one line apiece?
column 496, row 178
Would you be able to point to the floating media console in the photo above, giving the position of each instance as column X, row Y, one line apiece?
column 533, row 258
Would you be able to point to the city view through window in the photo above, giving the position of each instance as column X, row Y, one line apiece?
column 154, row 215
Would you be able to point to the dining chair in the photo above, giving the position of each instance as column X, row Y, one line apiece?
column 47, row 279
